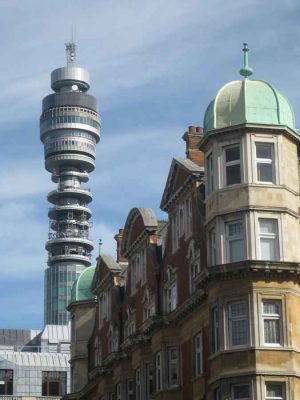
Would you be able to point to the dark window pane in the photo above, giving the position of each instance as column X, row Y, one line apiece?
column 264, row 172
column 264, row 150
column 233, row 174
column 233, row 154
column 241, row 392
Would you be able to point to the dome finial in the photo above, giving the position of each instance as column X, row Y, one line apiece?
column 246, row 70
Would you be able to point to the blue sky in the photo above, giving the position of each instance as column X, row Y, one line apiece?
column 155, row 65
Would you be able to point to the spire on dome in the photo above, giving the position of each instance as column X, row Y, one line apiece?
column 246, row 71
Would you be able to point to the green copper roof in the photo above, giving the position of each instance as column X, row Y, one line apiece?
column 81, row 289
column 248, row 101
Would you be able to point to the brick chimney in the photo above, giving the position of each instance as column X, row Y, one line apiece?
column 118, row 238
column 192, row 139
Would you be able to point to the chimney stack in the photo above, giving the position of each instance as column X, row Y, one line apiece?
column 118, row 238
column 192, row 139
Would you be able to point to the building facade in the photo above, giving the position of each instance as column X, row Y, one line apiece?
column 205, row 304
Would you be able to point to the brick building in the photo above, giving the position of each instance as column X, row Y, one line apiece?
column 205, row 305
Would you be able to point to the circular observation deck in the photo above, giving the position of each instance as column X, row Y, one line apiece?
column 60, row 241
column 83, row 194
column 58, row 210
column 54, row 162
column 73, row 258
column 58, row 225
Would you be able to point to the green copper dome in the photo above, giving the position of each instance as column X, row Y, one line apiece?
column 81, row 289
column 248, row 101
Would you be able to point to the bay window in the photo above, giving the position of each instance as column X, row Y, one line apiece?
column 238, row 323
column 232, row 165
column 215, row 329
column 212, row 247
column 264, row 162
column 275, row 391
column 268, row 236
column 272, row 322
column 210, row 174
column 240, row 392
column 235, row 241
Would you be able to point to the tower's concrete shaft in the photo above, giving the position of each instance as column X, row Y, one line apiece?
column 70, row 129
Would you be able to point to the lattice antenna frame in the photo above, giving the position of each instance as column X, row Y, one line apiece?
column 70, row 53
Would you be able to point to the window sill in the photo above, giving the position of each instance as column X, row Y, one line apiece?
column 252, row 348
column 197, row 378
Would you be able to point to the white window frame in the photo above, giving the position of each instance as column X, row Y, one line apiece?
column 282, row 384
column 138, row 384
column 188, row 217
column 113, row 340
column 268, row 161
column 149, row 380
column 133, row 279
column 148, row 302
column 237, row 318
column 215, row 329
column 175, row 230
column 240, row 398
column 228, row 164
column 173, row 366
column 143, row 266
column 118, row 391
column 234, row 238
column 210, row 173
column 129, row 389
column 194, row 272
column 198, row 355
column 212, row 246
column 171, row 297
column 271, row 236
column 272, row 317
column 158, row 372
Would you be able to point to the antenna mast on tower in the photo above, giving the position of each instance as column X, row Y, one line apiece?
column 71, row 51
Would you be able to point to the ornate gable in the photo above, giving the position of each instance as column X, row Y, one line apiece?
column 181, row 172
column 106, row 266
column 139, row 223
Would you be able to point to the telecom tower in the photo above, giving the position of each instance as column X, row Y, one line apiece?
column 70, row 130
